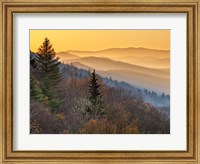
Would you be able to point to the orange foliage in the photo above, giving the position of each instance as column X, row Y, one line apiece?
column 131, row 130
column 98, row 127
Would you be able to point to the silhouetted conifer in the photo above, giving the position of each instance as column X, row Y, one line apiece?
column 47, row 62
column 96, row 111
column 94, row 87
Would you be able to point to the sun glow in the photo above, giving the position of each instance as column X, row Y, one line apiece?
column 94, row 40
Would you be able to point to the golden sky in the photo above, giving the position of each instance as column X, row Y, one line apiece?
column 63, row 40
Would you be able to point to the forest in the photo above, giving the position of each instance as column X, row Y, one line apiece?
column 65, row 99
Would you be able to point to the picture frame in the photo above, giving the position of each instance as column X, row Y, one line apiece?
column 11, row 7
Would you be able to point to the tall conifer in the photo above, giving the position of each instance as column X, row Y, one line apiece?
column 96, row 110
column 94, row 87
column 47, row 62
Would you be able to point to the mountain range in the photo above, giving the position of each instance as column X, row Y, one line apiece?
column 138, row 56
column 140, row 67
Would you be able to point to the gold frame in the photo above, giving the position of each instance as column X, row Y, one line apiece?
column 10, row 7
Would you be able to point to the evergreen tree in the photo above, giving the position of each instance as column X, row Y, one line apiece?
column 50, row 91
column 94, row 87
column 36, row 92
column 96, row 110
column 47, row 62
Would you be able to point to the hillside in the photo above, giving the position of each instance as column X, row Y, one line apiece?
column 148, row 96
column 140, row 80
column 152, row 79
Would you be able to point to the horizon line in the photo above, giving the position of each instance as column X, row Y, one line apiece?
column 112, row 48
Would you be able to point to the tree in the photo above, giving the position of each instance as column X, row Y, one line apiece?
column 101, row 126
column 36, row 92
column 94, row 87
column 96, row 110
column 47, row 62
column 43, row 121
column 32, row 60
column 50, row 91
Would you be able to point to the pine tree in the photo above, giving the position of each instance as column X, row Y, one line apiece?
column 47, row 62
column 94, row 87
column 50, row 91
column 96, row 110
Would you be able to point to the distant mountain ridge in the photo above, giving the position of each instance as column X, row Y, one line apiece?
column 153, row 79
column 139, row 56
column 66, row 56
column 124, row 50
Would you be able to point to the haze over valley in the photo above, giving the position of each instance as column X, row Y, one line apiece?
column 140, row 67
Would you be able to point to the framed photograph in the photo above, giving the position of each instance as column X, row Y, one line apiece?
column 103, row 81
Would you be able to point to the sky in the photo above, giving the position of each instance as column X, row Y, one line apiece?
column 94, row 40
